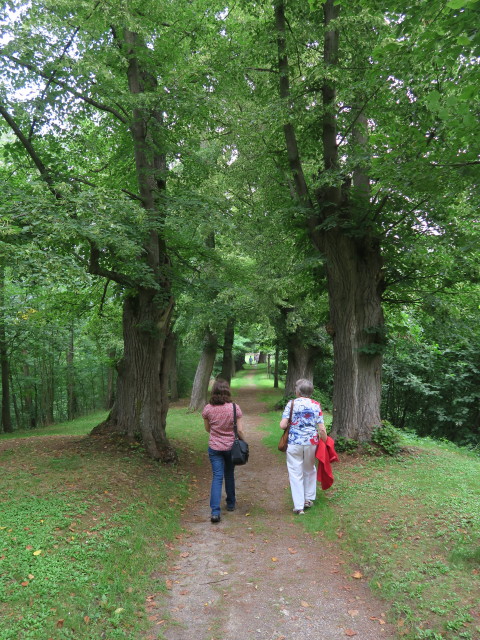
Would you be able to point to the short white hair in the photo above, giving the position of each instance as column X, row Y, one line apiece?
column 304, row 387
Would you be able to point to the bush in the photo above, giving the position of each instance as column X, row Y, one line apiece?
column 387, row 438
column 345, row 445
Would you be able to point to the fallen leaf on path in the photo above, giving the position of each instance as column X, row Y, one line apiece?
column 168, row 584
column 59, row 623
column 305, row 604
column 339, row 534
column 160, row 621
column 274, row 559
column 292, row 550
column 37, row 553
column 350, row 632
column 25, row 583
column 381, row 621
column 353, row 612
column 185, row 554
column 184, row 592
column 152, row 618
column 357, row 575
column 86, row 619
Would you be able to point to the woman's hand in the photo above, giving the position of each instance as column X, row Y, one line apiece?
column 322, row 432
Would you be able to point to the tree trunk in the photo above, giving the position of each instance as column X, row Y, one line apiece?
column 141, row 402
column 47, row 390
column 356, row 323
column 262, row 357
column 301, row 359
column 171, row 365
column 354, row 263
column 4, row 363
column 72, row 404
column 110, row 393
column 239, row 361
column 198, row 398
column 227, row 362
column 275, row 367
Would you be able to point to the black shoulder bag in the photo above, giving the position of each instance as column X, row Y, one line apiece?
column 239, row 450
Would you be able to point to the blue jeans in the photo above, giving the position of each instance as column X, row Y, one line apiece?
column 222, row 467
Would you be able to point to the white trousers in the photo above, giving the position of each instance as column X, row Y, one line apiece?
column 302, row 473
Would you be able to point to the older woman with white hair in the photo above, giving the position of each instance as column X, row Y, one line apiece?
column 305, row 428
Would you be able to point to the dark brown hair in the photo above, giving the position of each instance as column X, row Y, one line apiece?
column 220, row 392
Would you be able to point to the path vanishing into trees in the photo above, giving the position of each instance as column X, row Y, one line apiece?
column 258, row 574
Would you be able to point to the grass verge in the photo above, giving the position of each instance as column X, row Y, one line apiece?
column 82, row 526
column 412, row 525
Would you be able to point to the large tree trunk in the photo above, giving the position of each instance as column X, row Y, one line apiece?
column 141, row 403
column 227, row 361
column 353, row 256
column 301, row 360
column 356, row 324
column 111, row 373
column 171, row 367
column 198, row 398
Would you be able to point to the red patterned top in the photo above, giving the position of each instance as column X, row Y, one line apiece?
column 220, row 419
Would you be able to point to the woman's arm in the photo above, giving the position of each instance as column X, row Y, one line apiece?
column 322, row 432
column 241, row 435
column 284, row 423
column 207, row 425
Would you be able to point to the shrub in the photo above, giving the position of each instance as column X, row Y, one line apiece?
column 345, row 445
column 387, row 438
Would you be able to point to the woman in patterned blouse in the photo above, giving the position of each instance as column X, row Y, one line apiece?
column 306, row 426
column 218, row 419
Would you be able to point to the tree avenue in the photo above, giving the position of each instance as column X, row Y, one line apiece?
column 219, row 166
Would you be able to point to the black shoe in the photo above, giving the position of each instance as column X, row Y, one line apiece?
column 215, row 519
column 231, row 508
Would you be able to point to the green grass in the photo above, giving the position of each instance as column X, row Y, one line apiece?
column 79, row 427
column 81, row 529
column 412, row 524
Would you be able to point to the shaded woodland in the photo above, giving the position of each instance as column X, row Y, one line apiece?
column 184, row 183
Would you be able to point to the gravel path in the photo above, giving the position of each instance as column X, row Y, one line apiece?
column 257, row 574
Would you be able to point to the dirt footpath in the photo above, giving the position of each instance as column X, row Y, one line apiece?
column 257, row 575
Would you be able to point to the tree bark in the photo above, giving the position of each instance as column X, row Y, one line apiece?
column 275, row 367
column 141, row 403
column 198, row 398
column 171, row 366
column 353, row 260
column 110, row 393
column 227, row 361
column 301, row 359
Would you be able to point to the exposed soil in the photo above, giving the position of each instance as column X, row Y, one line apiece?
column 257, row 574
